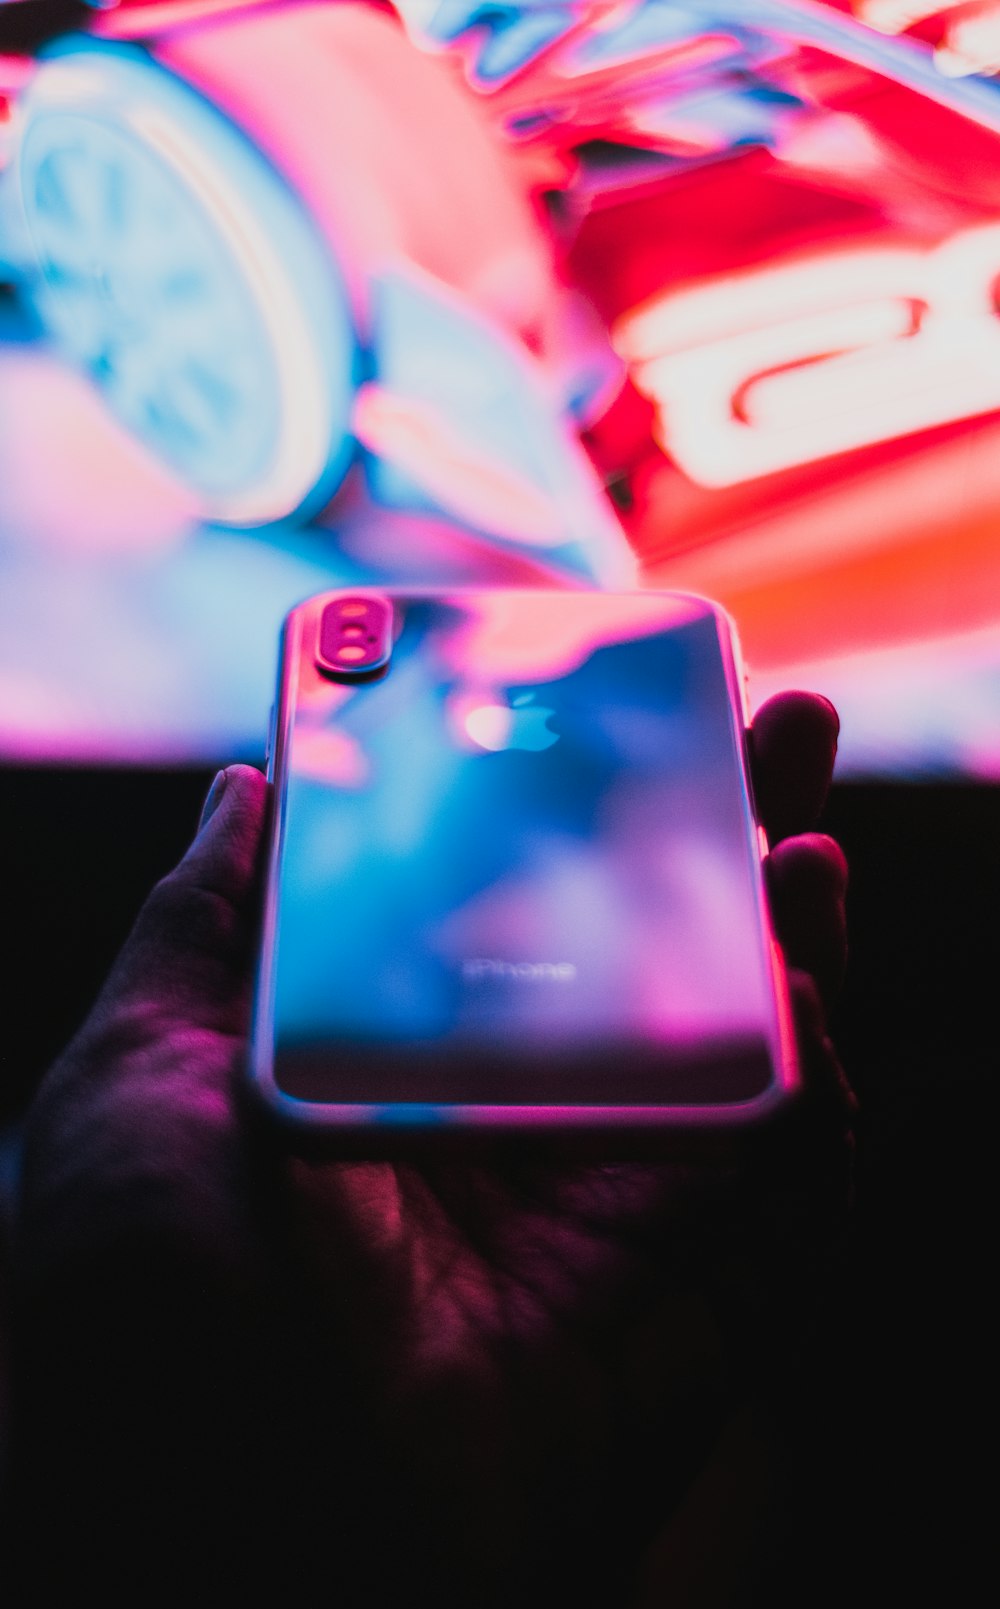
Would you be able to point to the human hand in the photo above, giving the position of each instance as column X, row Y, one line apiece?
column 301, row 1360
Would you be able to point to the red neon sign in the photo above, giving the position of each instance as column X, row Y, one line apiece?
column 757, row 371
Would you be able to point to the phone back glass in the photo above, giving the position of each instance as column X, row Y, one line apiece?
column 519, row 869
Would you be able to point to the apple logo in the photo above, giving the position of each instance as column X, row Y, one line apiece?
column 521, row 725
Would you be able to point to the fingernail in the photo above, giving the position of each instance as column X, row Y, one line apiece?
column 212, row 801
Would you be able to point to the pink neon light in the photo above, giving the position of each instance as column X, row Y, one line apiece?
column 15, row 74
column 15, row 71
column 124, row 500
column 363, row 98
column 138, row 19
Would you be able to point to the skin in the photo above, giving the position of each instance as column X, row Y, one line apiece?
column 464, row 1383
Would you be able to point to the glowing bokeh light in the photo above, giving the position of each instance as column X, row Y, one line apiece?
column 410, row 285
column 804, row 360
column 155, row 228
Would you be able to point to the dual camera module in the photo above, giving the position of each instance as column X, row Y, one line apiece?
column 355, row 637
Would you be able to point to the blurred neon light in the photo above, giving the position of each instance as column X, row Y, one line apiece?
column 15, row 72
column 508, row 35
column 463, row 415
column 787, row 24
column 572, row 40
column 971, row 44
column 624, row 68
column 67, row 83
column 906, row 62
column 895, row 16
column 461, row 473
column 139, row 21
column 180, row 274
column 384, row 147
column 125, row 501
column 304, row 389
column 758, row 372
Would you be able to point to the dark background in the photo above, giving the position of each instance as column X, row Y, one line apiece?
column 891, row 1464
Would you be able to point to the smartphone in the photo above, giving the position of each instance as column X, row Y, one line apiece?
column 514, row 879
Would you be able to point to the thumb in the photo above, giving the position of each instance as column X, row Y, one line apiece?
column 222, row 858
column 188, row 955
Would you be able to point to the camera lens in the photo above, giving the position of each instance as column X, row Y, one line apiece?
column 355, row 637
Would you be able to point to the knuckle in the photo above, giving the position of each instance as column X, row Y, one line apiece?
column 182, row 911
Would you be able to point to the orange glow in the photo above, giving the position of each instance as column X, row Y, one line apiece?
column 810, row 582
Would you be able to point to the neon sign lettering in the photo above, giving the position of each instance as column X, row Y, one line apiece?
column 971, row 44
column 895, row 16
column 759, row 372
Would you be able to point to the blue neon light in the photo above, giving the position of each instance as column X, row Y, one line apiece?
column 178, row 271
column 511, row 34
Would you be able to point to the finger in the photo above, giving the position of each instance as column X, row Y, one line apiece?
column 831, row 1101
column 188, row 954
column 223, row 855
column 807, row 883
column 793, row 747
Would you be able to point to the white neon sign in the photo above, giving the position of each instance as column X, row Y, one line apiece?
column 894, row 16
column 757, row 372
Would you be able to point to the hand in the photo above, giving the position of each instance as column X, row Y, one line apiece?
column 461, row 1384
